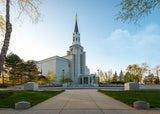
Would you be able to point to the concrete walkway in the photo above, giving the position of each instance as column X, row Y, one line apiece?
column 81, row 102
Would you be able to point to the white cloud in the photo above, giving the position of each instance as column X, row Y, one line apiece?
column 146, row 41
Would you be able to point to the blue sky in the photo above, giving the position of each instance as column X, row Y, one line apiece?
column 109, row 44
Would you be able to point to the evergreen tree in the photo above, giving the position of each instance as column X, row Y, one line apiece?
column 121, row 76
column 32, row 70
column 12, row 60
column 115, row 77
column 127, row 77
column 106, row 76
column 109, row 75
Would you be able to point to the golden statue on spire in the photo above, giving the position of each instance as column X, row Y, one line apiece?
column 76, row 16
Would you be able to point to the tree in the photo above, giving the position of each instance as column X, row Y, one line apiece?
column 31, row 70
column 4, row 71
column 135, row 10
column 109, row 75
column 18, row 70
column 150, row 78
column 96, row 78
column 121, row 76
column 157, row 69
column 145, row 80
column 12, row 60
column 51, row 77
column 144, row 68
column 26, row 7
column 115, row 77
column 106, row 76
column 127, row 77
column 135, row 71
column 101, row 76
column 156, row 80
column 68, row 80
column 21, row 71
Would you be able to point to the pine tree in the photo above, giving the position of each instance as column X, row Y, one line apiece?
column 106, row 76
column 115, row 77
column 121, row 76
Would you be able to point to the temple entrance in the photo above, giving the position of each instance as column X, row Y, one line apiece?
column 85, row 80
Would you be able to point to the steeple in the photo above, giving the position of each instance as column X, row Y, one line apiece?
column 76, row 34
column 76, row 25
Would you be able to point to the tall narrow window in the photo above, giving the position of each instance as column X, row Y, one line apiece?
column 81, row 64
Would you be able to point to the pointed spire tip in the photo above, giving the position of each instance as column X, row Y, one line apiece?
column 76, row 16
column 76, row 25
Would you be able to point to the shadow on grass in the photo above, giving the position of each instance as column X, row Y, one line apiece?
column 34, row 97
column 128, row 97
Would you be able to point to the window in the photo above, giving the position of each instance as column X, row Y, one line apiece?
column 73, row 38
column 81, row 64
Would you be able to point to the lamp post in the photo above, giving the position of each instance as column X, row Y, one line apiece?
column 130, row 73
column 63, row 75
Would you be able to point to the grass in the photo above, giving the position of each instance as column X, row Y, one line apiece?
column 34, row 97
column 128, row 97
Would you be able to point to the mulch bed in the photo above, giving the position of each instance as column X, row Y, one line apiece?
column 5, row 95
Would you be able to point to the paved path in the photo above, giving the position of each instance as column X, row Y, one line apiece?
column 81, row 102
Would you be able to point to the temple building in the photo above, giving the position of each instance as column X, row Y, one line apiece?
column 73, row 65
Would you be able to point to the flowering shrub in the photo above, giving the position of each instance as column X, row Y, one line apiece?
column 110, row 85
column 57, row 85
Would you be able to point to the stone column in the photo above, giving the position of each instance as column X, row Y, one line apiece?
column 82, row 80
column 89, row 80
column 92, row 80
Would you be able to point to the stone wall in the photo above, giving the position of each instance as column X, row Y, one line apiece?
column 150, row 87
column 62, row 64
column 46, row 65
column 56, row 64
column 71, row 65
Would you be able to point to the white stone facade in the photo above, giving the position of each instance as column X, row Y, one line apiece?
column 57, row 65
column 72, row 65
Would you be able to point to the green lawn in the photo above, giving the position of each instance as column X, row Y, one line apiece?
column 34, row 97
column 128, row 97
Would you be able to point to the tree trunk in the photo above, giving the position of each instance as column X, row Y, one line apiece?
column 2, row 78
column 21, row 79
column 7, row 36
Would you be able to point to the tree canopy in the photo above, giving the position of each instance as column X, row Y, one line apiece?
column 135, row 10
column 12, row 60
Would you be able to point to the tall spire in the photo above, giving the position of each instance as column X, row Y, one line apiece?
column 76, row 25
